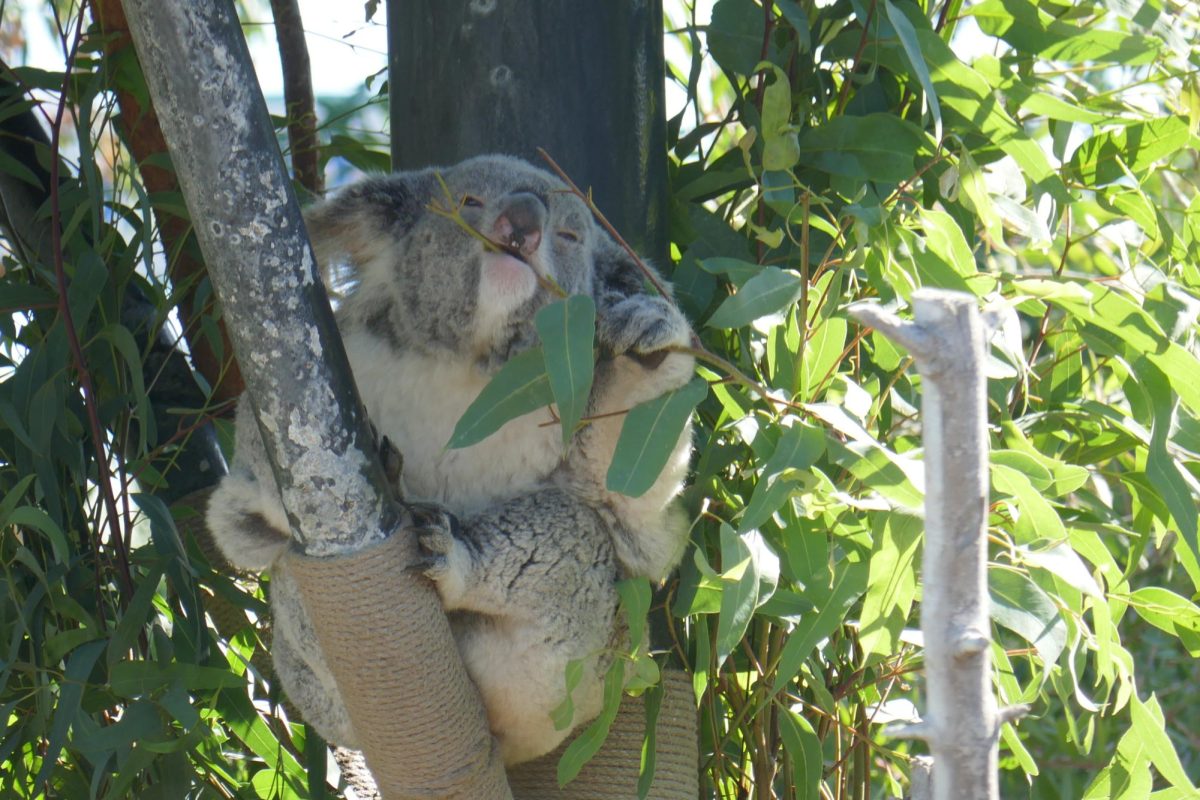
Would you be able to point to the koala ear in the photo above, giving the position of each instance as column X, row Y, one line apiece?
column 617, row 274
column 367, row 217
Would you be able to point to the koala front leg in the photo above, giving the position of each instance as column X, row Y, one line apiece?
column 638, row 332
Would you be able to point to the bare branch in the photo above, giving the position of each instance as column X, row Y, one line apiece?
column 947, row 340
column 298, row 95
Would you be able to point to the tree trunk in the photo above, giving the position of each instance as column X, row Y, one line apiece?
column 313, row 427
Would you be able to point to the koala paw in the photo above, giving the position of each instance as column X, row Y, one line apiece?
column 443, row 559
column 642, row 326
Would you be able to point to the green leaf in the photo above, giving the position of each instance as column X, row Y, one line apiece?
column 912, row 50
column 134, row 618
column 564, row 713
column 896, row 478
column 826, row 339
column 770, row 291
column 1113, row 312
column 1169, row 612
column 521, row 386
column 13, row 167
column 891, row 583
column 35, row 519
column 946, row 239
column 739, row 591
column 140, row 722
column 649, row 436
column 798, row 449
column 1037, row 518
column 653, row 703
column 634, row 595
column 737, row 270
column 1134, row 205
column 977, row 199
column 1020, row 605
column 1148, row 725
column 1138, row 147
column 122, row 341
column 1028, row 29
column 1172, row 482
column 781, row 148
column 1065, row 564
column 137, row 678
column 244, row 720
column 588, row 743
column 969, row 104
column 568, row 332
column 79, row 667
column 832, row 603
column 735, row 35
column 877, row 147
column 804, row 751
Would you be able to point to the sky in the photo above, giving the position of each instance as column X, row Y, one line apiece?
column 343, row 48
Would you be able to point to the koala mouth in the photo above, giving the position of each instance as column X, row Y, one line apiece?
column 512, row 251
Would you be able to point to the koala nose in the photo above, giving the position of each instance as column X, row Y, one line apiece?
column 522, row 217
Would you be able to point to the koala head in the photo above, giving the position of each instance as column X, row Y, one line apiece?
column 424, row 283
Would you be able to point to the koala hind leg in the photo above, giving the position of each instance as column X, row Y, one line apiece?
column 530, row 587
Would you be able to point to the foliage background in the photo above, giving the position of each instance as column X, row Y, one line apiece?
column 1040, row 155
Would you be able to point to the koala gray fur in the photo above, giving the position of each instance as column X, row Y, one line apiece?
column 528, row 577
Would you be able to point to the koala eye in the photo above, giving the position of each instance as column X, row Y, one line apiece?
column 470, row 201
column 568, row 236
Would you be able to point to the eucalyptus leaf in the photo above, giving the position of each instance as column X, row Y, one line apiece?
column 568, row 332
column 1025, row 609
column 649, row 436
column 521, row 386
column 768, row 292
column 588, row 743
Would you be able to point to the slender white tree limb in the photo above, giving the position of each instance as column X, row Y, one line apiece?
column 946, row 339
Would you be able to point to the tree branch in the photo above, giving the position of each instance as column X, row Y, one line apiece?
column 298, row 96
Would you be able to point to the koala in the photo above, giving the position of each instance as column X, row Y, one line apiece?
column 524, row 542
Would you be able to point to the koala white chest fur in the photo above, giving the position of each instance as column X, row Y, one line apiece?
column 527, row 569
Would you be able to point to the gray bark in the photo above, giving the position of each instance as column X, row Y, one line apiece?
column 962, row 724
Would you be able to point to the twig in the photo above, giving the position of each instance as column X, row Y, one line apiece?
column 844, row 92
column 454, row 214
column 103, row 477
column 587, row 199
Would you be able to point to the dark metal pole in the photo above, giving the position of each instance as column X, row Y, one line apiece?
column 584, row 81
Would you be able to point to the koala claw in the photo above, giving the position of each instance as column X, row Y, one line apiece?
column 393, row 462
column 436, row 546
column 443, row 559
